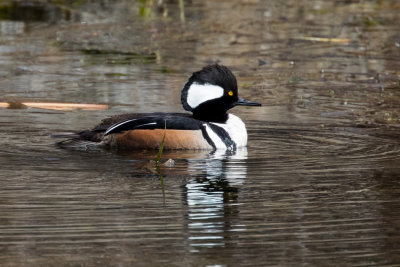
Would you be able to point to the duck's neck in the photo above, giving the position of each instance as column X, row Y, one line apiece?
column 210, row 116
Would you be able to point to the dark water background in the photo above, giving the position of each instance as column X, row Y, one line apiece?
column 319, row 184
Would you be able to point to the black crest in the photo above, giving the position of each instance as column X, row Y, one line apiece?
column 211, row 74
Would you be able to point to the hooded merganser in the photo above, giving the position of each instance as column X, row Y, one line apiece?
column 208, row 94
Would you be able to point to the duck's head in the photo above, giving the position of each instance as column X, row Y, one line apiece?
column 211, row 92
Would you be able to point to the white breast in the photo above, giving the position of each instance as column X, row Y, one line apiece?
column 236, row 129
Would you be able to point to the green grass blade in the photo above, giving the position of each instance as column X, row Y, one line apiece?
column 162, row 145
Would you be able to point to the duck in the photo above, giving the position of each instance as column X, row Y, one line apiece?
column 208, row 95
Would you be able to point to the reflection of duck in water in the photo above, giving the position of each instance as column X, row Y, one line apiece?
column 211, row 196
column 208, row 94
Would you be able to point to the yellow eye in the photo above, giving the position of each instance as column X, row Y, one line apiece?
column 230, row 93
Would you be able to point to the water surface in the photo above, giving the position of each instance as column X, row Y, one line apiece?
column 317, row 185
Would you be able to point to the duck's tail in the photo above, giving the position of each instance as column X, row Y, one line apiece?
column 77, row 140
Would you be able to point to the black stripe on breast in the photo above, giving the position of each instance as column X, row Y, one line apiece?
column 207, row 137
column 225, row 137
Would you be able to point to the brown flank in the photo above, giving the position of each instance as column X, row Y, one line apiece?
column 174, row 139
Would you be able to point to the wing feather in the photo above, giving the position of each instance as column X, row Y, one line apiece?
column 155, row 122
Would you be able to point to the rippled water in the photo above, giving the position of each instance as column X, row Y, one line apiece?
column 317, row 185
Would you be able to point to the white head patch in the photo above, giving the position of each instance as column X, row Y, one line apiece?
column 200, row 93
